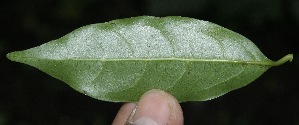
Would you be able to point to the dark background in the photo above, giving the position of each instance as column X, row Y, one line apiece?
column 31, row 97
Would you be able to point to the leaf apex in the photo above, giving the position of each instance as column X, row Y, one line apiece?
column 10, row 56
column 13, row 56
column 283, row 60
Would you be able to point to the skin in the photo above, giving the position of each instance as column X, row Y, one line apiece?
column 155, row 107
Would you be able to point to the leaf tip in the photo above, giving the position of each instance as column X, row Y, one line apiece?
column 283, row 60
column 290, row 57
column 10, row 56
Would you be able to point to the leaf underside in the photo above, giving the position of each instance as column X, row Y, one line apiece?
column 120, row 60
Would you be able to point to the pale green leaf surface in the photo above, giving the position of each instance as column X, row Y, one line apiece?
column 119, row 60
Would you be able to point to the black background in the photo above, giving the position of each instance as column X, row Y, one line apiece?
column 31, row 97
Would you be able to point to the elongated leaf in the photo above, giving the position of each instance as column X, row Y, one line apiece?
column 118, row 61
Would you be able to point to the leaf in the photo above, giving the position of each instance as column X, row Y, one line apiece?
column 119, row 60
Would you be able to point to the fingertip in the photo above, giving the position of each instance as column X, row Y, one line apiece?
column 160, row 108
column 124, row 113
column 155, row 107
column 177, row 117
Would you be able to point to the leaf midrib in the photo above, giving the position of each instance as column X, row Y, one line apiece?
column 266, row 62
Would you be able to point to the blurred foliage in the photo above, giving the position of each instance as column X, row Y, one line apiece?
column 30, row 97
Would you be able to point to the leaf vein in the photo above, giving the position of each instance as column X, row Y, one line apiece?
column 101, row 70
column 126, row 41
column 179, row 78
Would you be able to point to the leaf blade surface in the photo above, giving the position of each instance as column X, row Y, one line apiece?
column 119, row 60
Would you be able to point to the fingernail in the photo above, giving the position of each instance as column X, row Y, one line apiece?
column 145, row 121
column 131, row 117
column 154, row 108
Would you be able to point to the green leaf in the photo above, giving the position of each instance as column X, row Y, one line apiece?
column 119, row 60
